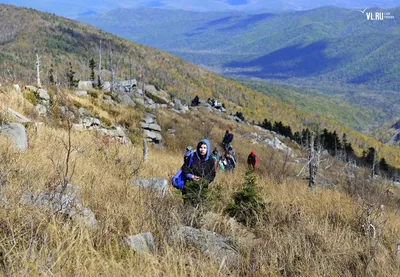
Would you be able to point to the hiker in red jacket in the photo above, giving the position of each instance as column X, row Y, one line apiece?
column 252, row 160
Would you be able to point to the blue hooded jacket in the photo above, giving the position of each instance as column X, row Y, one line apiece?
column 203, row 168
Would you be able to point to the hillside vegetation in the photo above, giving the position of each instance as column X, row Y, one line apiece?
column 61, row 41
column 299, row 231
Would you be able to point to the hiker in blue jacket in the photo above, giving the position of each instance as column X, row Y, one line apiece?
column 201, row 165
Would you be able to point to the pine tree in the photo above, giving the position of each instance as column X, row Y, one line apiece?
column 70, row 77
column 51, row 75
column 92, row 66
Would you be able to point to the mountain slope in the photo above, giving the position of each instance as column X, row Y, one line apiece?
column 327, row 44
column 60, row 41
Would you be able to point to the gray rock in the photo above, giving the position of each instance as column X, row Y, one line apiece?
column 277, row 144
column 126, row 100
column 17, row 133
column 139, row 100
column 18, row 116
column 62, row 202
column 150, row 118
column 43, row 94
column 82, row 93
column 141, row 243
column 211, row 244
column 85, row 85
column 41, row 110
column 106, row 86
column 90, row 122
column 177, row 104
column 158, row 184
column 31, row 88
column 151, row 127
column 17, row 89
column 154, row 136
column 117, row 133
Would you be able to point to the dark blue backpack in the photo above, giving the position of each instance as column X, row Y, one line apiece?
column 178, row 180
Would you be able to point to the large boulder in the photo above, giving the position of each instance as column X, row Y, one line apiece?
column 62, row 201
column 211, row 244
column 16, row 133
column 85, row 85
column 126, row 100
column 153, row 136
column 43, row 94
column 141, row 243
column 18, row 116
column 160, row 185
column 151, row 126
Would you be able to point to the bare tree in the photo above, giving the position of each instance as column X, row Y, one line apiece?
column 38, row 70
column 99, row 81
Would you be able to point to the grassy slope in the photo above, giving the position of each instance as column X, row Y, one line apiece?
column 61, row 41
column 307, row 232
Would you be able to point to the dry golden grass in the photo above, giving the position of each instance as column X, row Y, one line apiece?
column 303, row 232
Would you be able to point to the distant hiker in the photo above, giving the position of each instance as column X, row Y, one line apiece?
column 231, row 151
column 230, row 163
column 195, row 101
column 216, row 156
column 200, row 165
column 188, row 153
column 215, row 153
column 227, row 139
column 252, row 160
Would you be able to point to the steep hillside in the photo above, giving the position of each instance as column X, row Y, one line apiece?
column 61, row 41
column 281, row 227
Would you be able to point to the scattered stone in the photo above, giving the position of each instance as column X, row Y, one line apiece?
column 82, row 93
column 65, row 202
column 126, row 100
column 31, row 88
column 211, row 244
column 141, row 243
column 18, row 116
column 90, row 122
column 151, row 127
column 150, row 118
column 17, row 133
column 153, row 136
column 43, row 95
column 158, row 184
column 85, row 85
column 17, row 89
column 41, row 110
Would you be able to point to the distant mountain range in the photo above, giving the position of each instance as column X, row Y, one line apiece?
column 325, row 46
column 75, row 8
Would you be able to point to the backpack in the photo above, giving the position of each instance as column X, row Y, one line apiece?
column 251, row 160
column 178, row 180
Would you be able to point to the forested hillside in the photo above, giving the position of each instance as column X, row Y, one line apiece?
column 60, row 42
column 326, row 46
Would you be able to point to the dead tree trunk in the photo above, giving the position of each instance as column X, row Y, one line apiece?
column 312, row 165
column 38, row 71
column 99, row 81
column 145, row 150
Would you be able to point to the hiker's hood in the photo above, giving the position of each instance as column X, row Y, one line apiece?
column 252, row 153
column 208, row 148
